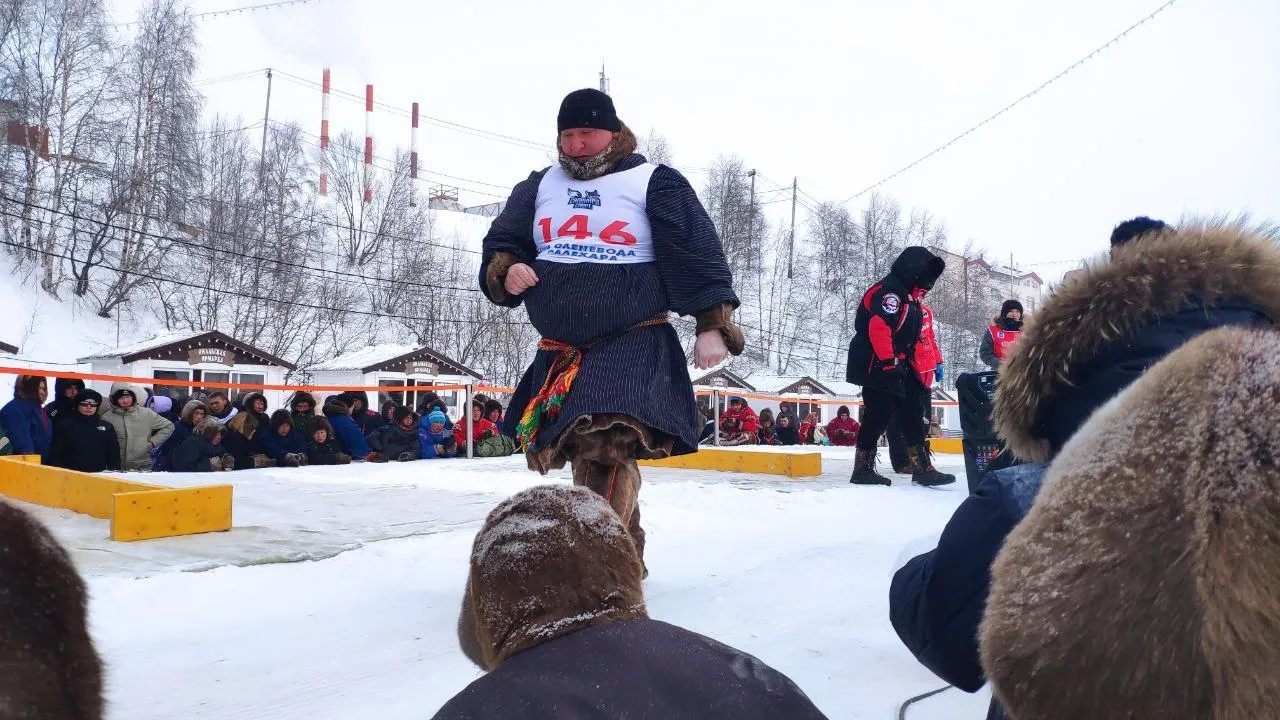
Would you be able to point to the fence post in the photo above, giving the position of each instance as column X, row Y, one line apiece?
column 471, row 426
column 715, row 412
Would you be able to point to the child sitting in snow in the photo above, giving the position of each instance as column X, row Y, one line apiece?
column 767, row 436
column 321, row 449
column 434, row 440
column 489, row 442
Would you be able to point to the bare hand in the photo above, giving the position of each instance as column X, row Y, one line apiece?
column 520, row 277
column 709, row 350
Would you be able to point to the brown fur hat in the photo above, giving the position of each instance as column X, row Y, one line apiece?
column 319, row 422
column 1145, row 581
column 190, row 408
column 549, row 561
column 51, row 669
column 210, row 428
column 334, row 407
column 1108, row 302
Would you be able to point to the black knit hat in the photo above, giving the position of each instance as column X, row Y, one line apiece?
column 1134, row 229
column 400, row 413
column 588, row 109
column 1010, row 305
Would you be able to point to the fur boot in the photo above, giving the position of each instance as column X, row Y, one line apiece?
column 864, row 469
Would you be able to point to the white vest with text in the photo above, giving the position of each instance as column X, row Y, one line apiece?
column 598, row 221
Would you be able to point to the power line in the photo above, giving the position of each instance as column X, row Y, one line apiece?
column 1011, row 105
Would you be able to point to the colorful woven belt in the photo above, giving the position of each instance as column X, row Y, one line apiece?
column 544, row 408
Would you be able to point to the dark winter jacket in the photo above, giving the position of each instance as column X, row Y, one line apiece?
column 276, row 446
column 347, row 433
column 194, row 454
column 264, row 420
column 59, row 404
column 366, row 418
column 300, row 419
column 591, row 302
column 182, row 430
column 24, row 421
column 887, row 324
column 328, row 452
column 84, row 443
column 238, row 440
column 789, row 435
column 1092, row 338
column 988, row 349
column 554, row 611
column 393, row 441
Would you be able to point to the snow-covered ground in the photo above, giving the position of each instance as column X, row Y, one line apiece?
column 227, row 626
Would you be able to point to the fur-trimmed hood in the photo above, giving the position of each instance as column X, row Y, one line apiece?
column 1162, row 521
column 302, row 397
column 549, row 561
column 333, row 407
column 190, row 408
column 319, row 422
column 1104, row 310
column 246, row 403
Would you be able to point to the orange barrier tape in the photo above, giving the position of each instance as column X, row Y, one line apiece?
column 809, row 400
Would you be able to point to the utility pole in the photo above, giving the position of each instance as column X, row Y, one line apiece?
column 791, row 246
column 266, row 123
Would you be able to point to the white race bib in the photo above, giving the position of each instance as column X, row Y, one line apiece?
column 598, row 221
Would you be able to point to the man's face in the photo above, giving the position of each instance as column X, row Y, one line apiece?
column 302, row 407
column 217, row 405
column 70, row 391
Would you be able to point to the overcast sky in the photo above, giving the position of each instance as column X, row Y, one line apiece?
column 1182, row 116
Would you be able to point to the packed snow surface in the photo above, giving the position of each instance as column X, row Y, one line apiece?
column 336, row 594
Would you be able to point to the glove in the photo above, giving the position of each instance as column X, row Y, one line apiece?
column 228, row 462
column 373, row 456
column 407, row 456
column 342, row 459
column 291, row 459
column 215, row 464
column 937, row 373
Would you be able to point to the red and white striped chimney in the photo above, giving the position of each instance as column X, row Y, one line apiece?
column 368, row 144
column 324, row 130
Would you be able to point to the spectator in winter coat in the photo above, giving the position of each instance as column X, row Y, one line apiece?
column 255, row 403
column 434, row 440
column 554, row 612
column 138, row 429
column 51, row 669
column 788, row 408
column 398, row 440
column 1002, row 333
column 361, row 414
column 482, row 430
column 493, row 413
column 302, row 406
column 23, row 419
column 322, row 449
column 811, row 430
column 843, row 430
column 766, row 435
column 202, row 451
column 64, row 397
column 1091, row 339
column 429, row 402
column 162, row 405
column 739, row 424
column 389, row 411
column 346, row 432
column 284, row 445
column 193, row 413
column 82, row 440
column 237, row 440
column 220, row 407
column 1159, row 600
column 787, row 433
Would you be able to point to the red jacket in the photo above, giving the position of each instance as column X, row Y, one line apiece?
column 744, row 420
column 843, row 432
column 483, row 429
column 928, row 355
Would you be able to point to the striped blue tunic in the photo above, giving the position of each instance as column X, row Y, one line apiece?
column 644, row 372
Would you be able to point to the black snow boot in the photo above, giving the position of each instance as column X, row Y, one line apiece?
column 922, row 470
column 864, row 469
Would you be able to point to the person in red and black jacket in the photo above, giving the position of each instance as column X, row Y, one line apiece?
column 928, row 365
column 1002, row 334
column 882, row 360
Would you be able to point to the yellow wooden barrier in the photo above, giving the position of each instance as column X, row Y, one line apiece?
column 137, row 511
column 946, row 445
column 791, row 464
